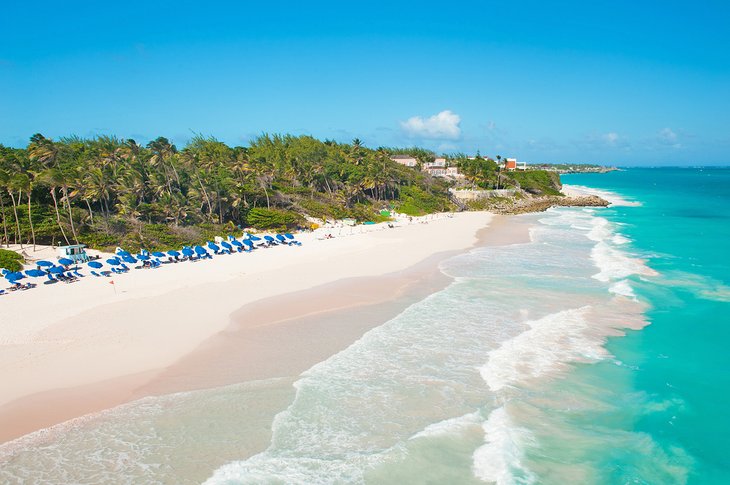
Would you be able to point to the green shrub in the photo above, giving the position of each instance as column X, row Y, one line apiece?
column 415, row 201
column 538, row 182
column 273, row 219
column 10, row 260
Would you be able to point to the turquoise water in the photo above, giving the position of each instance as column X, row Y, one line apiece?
column 681, row 362
column 595, row 353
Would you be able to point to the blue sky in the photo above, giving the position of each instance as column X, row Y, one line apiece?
column 621, row 82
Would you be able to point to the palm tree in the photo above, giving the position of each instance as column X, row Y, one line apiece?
column 24, row 183
column 162, row 154
column 11, row 185
column 48, row 153
column 3, row 183
column 52, row 178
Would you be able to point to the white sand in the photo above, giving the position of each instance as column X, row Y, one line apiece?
column 60, row 336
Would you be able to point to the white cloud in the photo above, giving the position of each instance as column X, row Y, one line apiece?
column 442, row 126
column 610, row 138
column 668, row 135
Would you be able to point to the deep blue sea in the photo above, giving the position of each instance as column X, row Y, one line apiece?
column 595, row 353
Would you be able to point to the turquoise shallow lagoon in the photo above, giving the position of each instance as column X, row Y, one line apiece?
column 596, row 353
column 678, row 391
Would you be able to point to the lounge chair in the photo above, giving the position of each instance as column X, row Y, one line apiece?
column 94, row 273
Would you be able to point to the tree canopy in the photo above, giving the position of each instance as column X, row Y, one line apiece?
column 71, row 188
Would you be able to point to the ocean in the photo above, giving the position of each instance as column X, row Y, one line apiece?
column 595, row 353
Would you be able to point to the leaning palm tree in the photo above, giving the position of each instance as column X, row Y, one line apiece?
column 23, row 183
column 53, row 178
column 11, row 185
column 3, row 183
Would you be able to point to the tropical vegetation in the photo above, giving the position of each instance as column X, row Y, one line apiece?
column 106, row 191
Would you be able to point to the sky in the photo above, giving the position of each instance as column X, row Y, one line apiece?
column 620, row 82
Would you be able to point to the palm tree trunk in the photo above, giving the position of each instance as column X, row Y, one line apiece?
column 5, row 224
column 58, row 214
column 207, row 199
column 18, row 236
column 91, row 213
column 268, row 205
column 30, row 221
column 70, row 216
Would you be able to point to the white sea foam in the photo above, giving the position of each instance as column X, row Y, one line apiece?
column 449, row 426
column 623, row 288
column 615, row 264
column 499, row 459
column 612, row 197
column 547, row 347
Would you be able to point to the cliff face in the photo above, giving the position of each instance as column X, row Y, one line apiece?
column 543, row 203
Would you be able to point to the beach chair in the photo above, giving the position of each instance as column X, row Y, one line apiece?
column 3, row 292
column 77, row 274
column 94, row 273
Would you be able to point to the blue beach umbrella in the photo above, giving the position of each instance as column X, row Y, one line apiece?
column 35, row 273
column 289, row 236
column 200, row 250
column 269, row 238
column 142, row 257
column 173, row 253
column 123, row 253
column 14, row 276
column 159, row 254
column 226, row 245
column 47, row 264
column 254, row 238
column 280, row 237
column 57, row 270
column 95, row 264
column 213, row 246
column 129, row 259
column 248, row 242
column 65, row 261
column 236, row 242
column 113, row 261
column 187, row 252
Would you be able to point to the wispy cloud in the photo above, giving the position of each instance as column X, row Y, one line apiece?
column 445, row 125
column 667, row 136
column 611, row 138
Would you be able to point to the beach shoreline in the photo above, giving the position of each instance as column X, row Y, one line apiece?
column 373, row 287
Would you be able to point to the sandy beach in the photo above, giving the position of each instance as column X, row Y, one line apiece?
column 91, row 345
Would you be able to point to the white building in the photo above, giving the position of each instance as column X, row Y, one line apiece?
column 406, row 160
